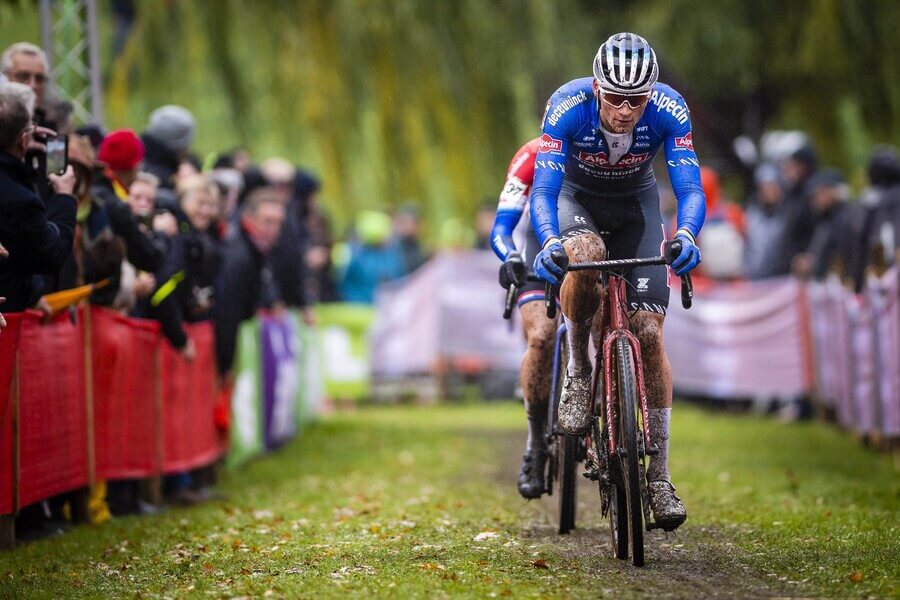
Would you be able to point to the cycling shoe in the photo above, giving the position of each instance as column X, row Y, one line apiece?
column 668, row 511
column 531, row 476
column 575, row 405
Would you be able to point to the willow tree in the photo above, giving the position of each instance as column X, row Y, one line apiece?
column 392, row 100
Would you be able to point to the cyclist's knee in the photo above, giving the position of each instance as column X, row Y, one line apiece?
column 579, row 287
column 539, row 330
column 585, row 247
column 648, row 327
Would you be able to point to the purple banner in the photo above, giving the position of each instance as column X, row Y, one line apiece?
column 281, row 378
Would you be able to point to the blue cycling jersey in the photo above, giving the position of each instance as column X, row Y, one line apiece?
column 574, row 149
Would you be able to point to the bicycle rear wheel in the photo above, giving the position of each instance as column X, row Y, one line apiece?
column 630, row 463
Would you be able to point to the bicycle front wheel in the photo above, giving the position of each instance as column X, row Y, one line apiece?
column 566, row 452
column 628, row 436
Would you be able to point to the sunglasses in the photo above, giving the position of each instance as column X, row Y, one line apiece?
column 619, row 100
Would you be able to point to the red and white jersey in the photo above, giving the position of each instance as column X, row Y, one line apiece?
column 512, row 208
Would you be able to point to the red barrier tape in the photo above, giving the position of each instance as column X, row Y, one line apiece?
column 9, row 343
column 190, row 438
column 124, row 378
column 53, row 438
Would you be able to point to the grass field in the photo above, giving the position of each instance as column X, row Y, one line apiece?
column 389, row 503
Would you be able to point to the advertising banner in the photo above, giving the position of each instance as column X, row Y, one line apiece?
column 246, row 434
column 310, row 391
column 53, row 432
column 190, row 437
column 126, row 420
column 884, row 293
column 9, row 343
column 343, row 340
column 742, row 340
column 281, row 378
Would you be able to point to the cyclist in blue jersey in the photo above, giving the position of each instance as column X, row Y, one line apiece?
column 595, row 195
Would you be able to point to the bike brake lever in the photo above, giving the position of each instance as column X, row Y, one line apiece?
column 510, row 301
column 549, row 300
column 687, row 291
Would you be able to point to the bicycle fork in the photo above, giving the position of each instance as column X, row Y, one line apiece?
column 619, row 330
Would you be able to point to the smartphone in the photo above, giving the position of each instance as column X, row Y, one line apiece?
column 57, row 154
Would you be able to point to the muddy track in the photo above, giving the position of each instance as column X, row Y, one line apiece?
column 700, row 560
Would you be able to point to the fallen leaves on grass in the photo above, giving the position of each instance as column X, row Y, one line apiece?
column 540, row 564
column 856, row 576
column 486, row 535
column 344, row 571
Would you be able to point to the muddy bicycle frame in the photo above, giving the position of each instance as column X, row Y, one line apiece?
column 614, row 326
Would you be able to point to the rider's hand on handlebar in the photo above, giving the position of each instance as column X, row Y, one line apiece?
column 512, row 271
column 551, row 263
column 689, row 255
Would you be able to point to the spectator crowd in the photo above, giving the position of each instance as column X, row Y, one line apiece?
column 144, row 226
column 800, row 218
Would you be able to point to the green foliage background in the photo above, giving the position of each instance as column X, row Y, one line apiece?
column 390, row 100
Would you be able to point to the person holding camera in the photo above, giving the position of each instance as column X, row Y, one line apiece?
column 38, row 236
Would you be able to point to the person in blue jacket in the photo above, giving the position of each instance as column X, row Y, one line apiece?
column 595, row 195
column 372, row 260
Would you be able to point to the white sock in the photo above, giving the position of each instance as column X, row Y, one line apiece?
column 659, row 435
column 537, row 419
column 579, row 335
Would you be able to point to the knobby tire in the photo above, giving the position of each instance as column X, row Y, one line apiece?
column 630, row 464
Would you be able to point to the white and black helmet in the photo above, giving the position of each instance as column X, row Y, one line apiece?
column 626, row 64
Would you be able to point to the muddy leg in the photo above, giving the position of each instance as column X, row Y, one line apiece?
column 658, row 377
column 580, row 300
column 536, row 364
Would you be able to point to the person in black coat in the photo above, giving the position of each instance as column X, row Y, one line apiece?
column 38, row 237
column 187, row 279
column 245, row 281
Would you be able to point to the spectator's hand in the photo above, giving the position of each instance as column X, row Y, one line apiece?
column 4, row 253
column 551, row 263
column 309, row 316
column 512, row 271
column 317, row 257
column 44, row 308
column 689, row 257
column 144, row 284
column 189, row 352
column 2, row 319
column 165, row 223
column 65, row 183
column 40, row 132
column 802, row 265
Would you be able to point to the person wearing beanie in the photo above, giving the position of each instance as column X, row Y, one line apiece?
column 766, row 221
column 372, row 260
column 879, row 220
column 829, row 245
column 121, row 154
column 796, row 171
column 167, row 139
